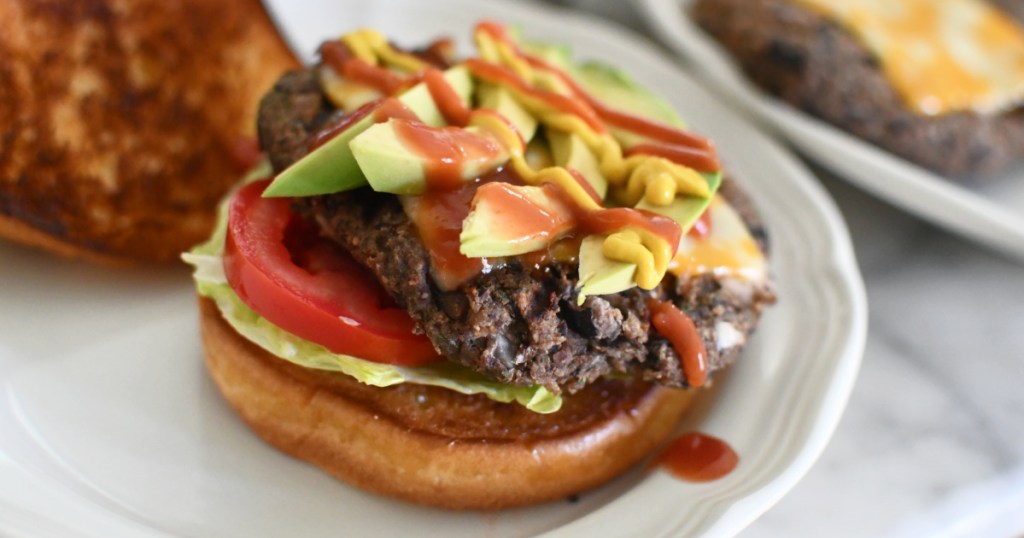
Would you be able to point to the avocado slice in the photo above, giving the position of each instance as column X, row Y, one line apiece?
column 614, row 88
column 686, row 209
column 508, row 220
column 332, row 168
column 598, row 274
column 391, row 166
column 617, row 90
column 570, row 151
column 499, row 99
column 608, row 84
column 611, row 86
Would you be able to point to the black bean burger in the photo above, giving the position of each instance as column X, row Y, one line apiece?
column 479, row 283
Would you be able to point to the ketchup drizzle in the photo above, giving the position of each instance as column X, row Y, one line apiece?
column 446, row 151
column 698, row 457
column 503, row 75
column 678, row 328
column 697, row 159
column 454, row 111
column 337, row 55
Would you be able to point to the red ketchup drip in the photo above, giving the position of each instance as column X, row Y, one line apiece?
column 520, row 217
column 505, row 76
column 697, row 457
column 676, row 327
column 382, row 110
column 438, row 216
column 611, row 220
column 636, row 124
column 446, row 150
column 607, row 221
column 393, row 109
column 337, row 55
column 455, row 112
column 346, row 121
column 586, row 185
column 694, row 158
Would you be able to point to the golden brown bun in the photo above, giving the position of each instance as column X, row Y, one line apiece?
column 119, row 119
column 434, row 446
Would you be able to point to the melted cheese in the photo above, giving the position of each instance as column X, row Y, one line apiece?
column 729, row 250
column 940, row 55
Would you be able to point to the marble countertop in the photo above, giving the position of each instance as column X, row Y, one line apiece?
column 932, row 441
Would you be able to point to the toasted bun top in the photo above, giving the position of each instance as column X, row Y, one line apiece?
column 119, row 118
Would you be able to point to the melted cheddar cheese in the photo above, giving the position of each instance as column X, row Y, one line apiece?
column 940, row 55
column 729, row 250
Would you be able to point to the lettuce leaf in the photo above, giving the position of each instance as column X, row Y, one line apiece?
column 212, row 283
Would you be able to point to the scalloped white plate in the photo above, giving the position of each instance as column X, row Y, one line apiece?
column 109, row 426
column 989, row 211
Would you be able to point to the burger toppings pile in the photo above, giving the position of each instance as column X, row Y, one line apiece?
column 511, row 224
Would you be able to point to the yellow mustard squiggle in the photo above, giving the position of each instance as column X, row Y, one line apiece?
column 373, row 47
column 628, row 246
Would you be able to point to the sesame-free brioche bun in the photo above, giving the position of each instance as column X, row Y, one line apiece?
column 434, row 446
column 119, row 119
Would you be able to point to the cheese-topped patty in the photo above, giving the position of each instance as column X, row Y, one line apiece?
column 940, row 55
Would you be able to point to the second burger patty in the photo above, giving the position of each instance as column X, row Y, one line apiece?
column 514, row 323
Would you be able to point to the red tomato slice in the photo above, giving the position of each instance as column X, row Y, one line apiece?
column 281, row 268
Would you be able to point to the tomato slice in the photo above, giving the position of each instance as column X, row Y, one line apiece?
column 280, row 267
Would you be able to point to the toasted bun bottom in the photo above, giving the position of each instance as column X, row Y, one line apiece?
column 434, row 446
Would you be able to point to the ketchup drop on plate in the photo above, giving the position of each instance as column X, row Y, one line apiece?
column 696, row 457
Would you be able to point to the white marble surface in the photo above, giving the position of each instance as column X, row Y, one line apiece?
column 932, row 442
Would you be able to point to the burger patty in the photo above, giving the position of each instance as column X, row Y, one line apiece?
column 818, row 66
column 517, row 324
column 1013, row 7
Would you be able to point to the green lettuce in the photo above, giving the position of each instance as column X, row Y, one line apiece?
column 212, row 283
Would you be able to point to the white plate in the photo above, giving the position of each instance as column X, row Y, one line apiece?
column 109, row 426
column 991, row 211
